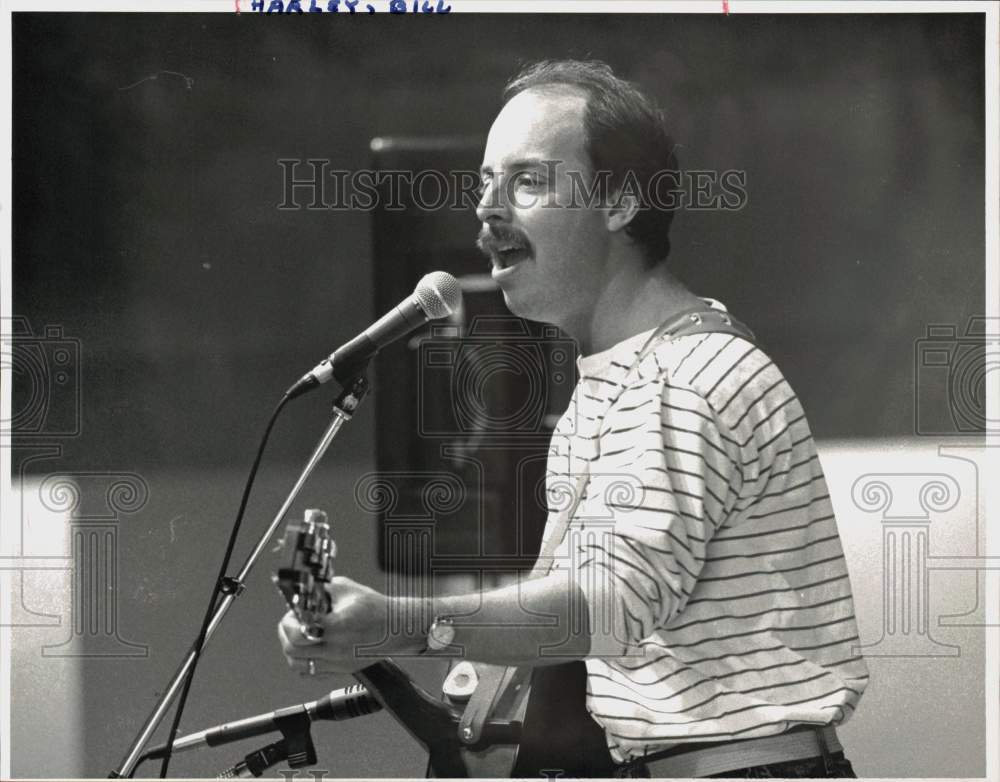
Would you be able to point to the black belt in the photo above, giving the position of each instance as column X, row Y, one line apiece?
column 704, row 758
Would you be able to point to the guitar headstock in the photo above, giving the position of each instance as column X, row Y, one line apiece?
column 310, row 547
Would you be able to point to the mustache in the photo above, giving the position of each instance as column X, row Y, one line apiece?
column 494, row 236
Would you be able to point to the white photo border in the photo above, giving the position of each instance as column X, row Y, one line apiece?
column 991, row 10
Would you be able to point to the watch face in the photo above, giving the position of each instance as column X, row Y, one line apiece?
column 441, row 634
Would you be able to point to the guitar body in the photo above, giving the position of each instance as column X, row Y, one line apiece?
column 558, row 738
column 559, row 734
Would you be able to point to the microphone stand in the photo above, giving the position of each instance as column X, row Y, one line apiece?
column 351, row 396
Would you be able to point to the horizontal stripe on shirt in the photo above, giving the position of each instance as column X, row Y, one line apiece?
column 706, row 547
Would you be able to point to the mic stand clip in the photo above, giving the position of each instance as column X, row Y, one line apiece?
column 296, row 747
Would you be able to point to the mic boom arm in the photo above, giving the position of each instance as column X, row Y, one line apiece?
column 344, row 704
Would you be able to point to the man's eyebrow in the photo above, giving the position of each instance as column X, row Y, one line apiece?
column 528, row 162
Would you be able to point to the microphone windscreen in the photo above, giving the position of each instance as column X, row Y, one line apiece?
column 439, row 294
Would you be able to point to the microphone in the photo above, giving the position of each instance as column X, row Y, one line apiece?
column 438, row 294
column 345, row 704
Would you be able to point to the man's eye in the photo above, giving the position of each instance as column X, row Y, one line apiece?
column 528, row 180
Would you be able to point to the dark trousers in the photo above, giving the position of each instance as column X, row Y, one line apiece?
column 834, row 765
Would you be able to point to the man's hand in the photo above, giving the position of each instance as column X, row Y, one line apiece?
column 358, row 619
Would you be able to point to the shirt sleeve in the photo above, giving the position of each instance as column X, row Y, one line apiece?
column 666, row 477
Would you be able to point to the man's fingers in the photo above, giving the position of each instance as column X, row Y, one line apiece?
column 293, row 643
column 297, row 657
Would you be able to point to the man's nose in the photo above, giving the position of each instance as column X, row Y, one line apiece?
column 493, row 205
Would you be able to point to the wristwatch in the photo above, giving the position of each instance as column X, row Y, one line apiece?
column 441, row 633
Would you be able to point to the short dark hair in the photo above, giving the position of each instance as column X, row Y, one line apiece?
column 624, row 131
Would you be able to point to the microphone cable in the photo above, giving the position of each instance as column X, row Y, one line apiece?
column 217, row 588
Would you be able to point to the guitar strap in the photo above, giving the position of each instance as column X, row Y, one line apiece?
column 497, row 681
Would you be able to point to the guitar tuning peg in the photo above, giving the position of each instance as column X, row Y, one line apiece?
column 316, row 516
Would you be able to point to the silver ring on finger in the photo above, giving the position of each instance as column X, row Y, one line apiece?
column 312, row 666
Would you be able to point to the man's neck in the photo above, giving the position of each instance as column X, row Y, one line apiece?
column 633, row 300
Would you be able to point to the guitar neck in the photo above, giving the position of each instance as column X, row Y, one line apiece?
column 427, row 719
column 404, row 697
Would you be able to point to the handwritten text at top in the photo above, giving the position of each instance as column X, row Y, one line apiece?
column 350, row 6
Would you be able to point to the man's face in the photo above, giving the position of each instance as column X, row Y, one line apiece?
column 548, row 254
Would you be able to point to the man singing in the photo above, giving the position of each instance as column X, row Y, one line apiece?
column 689, row 516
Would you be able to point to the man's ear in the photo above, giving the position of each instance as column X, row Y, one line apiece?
column 624, row 207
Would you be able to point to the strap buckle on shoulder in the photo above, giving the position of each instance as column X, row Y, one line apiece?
column 698, row 321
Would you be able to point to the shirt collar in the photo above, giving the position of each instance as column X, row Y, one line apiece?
column 607, row 364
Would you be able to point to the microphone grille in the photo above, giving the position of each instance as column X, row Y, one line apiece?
column 438, row 294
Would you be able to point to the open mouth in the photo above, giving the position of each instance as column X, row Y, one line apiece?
column 508, row 255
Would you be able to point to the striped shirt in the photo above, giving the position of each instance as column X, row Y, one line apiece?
column 706, row 546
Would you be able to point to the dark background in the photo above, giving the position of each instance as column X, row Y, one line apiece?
column 146, row 221
column 146, row 228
